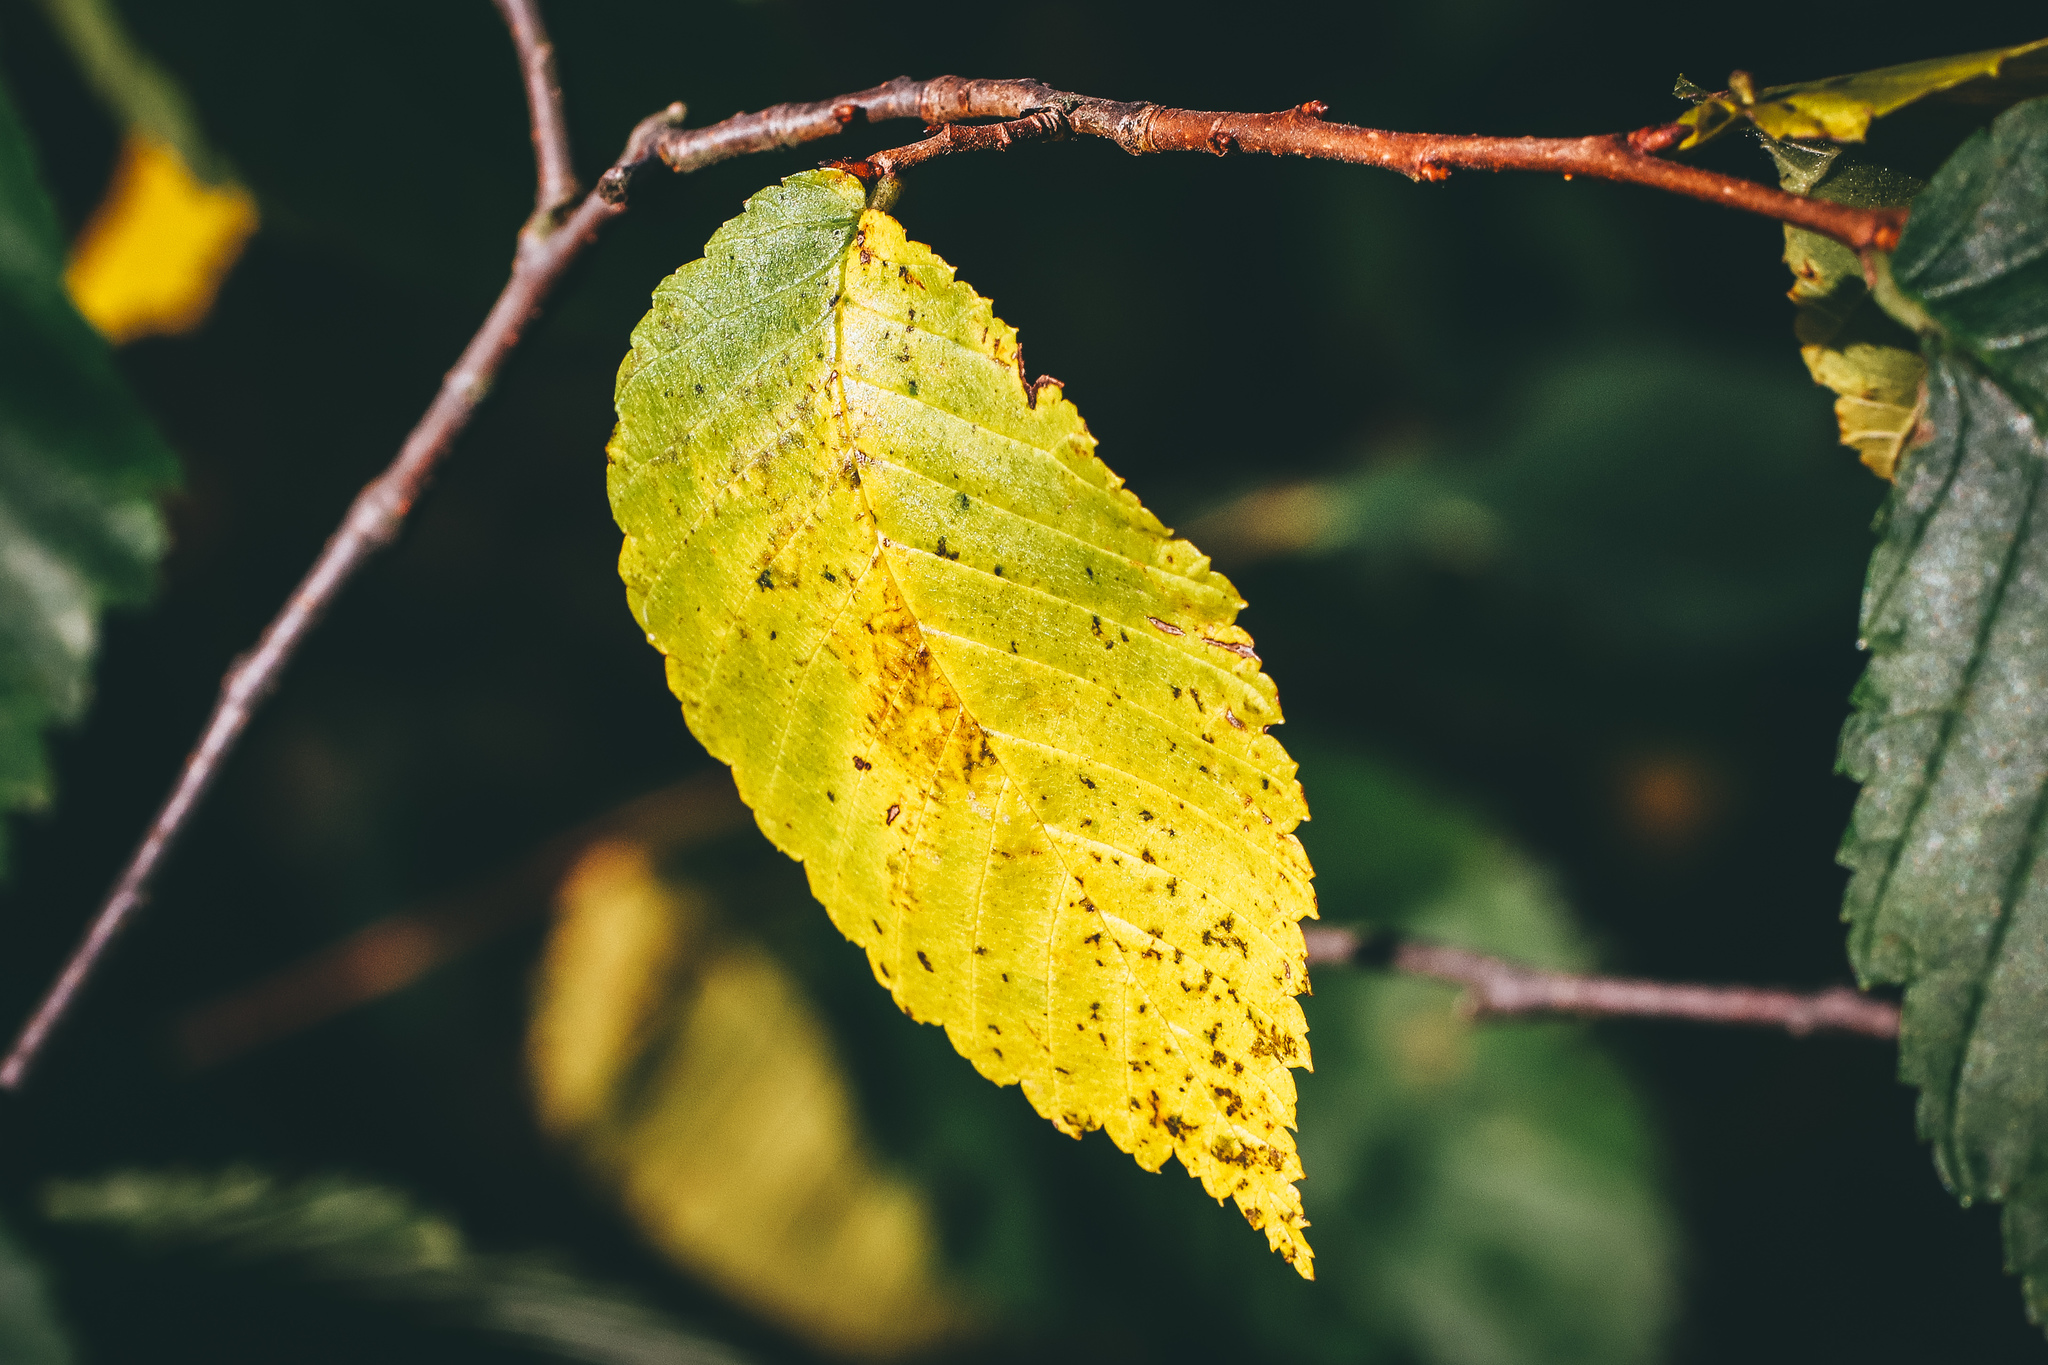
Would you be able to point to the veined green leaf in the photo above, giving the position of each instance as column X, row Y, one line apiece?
column 1840, row 108
column 80, row 466
column 1950, row 735
column 1003, row 717
column 1973, row 261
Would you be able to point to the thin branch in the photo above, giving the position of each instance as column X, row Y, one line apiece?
column 1301, row 131
column 1045, row 125
column 662, row 137
column 391, row 953
column 1497, row 987
column 374, row 518
column 555, row 188
column 1141, row 128
column 372, row 522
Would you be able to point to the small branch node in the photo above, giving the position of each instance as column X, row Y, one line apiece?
column 1132, row 130
column 1656, row 140
column 860, row 168
column 1042, row 125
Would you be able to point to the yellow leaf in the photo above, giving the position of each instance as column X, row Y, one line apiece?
column 1840, row 108
column 1004, row 718
column 1879, row 400
column 155, row 252
column 692, row 1074
column 1846, row 339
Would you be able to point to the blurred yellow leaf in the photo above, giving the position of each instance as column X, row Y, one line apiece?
column 1879, row 400
column 1848, row 342
column 1280, row 519
column 155, row 252
column 693, row 1077
column 1004, row 717
column 1840, row 108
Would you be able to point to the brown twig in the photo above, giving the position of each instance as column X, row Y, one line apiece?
column 371, row 523
column 1302, row 131
column 662, row 137
column 1045, row 125
column 555, row 187
column 374, row 518
column 1141, row 128
column 390, row 954
column 1497, row 987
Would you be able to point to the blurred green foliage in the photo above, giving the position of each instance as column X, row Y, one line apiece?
column 241, row 1264
column 1563, row 501
column 81, row 467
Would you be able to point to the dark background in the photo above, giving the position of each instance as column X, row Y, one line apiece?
column 1221, row 323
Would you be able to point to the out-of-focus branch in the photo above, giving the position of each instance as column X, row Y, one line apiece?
column 372, row 522
column 1497, row 987
column 555, row 180
column 392, row 953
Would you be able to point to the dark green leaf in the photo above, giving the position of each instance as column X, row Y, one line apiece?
column 245, row 1245
column 1950, row 737
column 1974, row 257
column 80, row 466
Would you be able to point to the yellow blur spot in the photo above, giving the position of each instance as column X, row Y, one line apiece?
column 155, row 252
